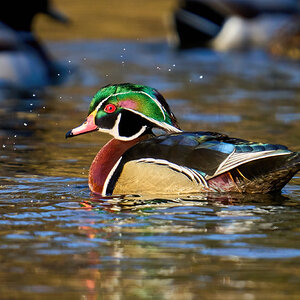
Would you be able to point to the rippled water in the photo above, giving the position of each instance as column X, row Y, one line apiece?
column 58, row 240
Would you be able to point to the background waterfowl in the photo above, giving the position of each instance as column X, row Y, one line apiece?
column 136, row 161
column 234, row 24
column 25, row 65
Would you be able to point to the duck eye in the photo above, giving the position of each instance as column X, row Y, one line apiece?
column 109, row 108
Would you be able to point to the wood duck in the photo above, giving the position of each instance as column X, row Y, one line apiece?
column 25, row 65
column 137, row 162
column 233, row 24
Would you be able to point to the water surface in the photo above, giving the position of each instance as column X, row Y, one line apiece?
column 58, row 240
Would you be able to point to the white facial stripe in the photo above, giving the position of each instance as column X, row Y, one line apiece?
column 136, row 92
column 125, row 138
column 99, row 105
column 166, row 126
column 157, row 103
column 115, row 131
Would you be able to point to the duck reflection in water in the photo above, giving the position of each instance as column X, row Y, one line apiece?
column 25, row 65
column 142, row 203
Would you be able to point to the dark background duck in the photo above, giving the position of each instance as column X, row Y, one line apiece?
column 25, row 64
column 235, row 24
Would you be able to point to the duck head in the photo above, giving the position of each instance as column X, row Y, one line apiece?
column 127, row 111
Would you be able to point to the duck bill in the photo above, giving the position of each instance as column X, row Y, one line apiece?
column 88, row 126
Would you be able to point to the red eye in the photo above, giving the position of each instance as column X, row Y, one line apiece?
column 110, row 108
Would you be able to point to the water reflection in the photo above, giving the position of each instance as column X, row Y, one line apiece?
column 112, row 247
column 176, row 235
column 137, row 203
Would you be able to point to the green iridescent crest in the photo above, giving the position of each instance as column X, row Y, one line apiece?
column 142, row 100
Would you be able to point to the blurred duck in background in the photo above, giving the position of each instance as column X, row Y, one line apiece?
column 25, row 65
column 238, row 24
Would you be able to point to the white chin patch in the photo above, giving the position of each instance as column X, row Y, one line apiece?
column 116, row 134
column 129, row 138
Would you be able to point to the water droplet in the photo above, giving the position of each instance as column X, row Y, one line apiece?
column 69, row 61
column 201, row 76
column 58, row 74
column 25, row 124
column 33, row 95
column 169, row 70
column 3, row 146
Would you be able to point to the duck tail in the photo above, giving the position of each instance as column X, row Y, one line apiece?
column 272, row 174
